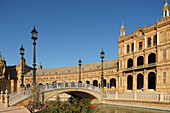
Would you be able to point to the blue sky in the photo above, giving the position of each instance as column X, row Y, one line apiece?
column 70, row 29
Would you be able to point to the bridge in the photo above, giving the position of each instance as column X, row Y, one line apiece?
column 49, row 90
column 81, row 90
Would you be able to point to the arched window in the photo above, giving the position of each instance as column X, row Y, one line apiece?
column 130, row 82
column 164, row 54
column 139, row 81
column 95, row 83
column 140, row 61
column 155, row 40
column 113, row 83
column 127, row 48
column 152, row 58
column 149, row 42
column 132, row 47
column 164, row 77
column 130, row 63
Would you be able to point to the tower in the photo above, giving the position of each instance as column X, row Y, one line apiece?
column 122, row 30
column 40, row 66
column 165, row 9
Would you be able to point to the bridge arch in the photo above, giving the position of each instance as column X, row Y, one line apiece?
column 78, row 92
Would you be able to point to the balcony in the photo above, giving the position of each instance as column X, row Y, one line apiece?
column 140, row 67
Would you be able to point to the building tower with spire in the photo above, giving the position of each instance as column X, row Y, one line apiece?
column 122, row 30
column 166, row 9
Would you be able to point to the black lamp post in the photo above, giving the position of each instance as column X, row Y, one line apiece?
column 79, row 62
column 102, row 57
column 34, row 38
column 22, row 73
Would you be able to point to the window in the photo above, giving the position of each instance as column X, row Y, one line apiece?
column 155, row 40
column 132, row 47
column 164, row 54
column 164, row 36
column 127, row 48
column 140, row 45
column 164, row 77
column 149, row 42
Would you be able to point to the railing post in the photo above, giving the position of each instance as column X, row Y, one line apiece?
column 116, row 96
column 2, row 97
column 134, row 96
column 85, row 85
column 161, row 97
column 6, row 98
column 64, row 84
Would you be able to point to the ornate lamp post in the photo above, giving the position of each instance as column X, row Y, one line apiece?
column 102, row 81
column 22, row 61
column 79, row 62
column 34, row 38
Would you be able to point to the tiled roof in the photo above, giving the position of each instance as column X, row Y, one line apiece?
column 74, row 69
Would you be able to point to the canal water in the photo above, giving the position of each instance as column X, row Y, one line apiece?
column 105, row 108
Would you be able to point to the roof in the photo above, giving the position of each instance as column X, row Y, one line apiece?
column 74, row 69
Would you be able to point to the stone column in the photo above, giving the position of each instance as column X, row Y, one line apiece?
column 2, row 96
column 157, row 38
column 134, row 82
column 12, row 86
column 6, row 98
column 145, row 86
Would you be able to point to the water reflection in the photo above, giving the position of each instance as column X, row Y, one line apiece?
column 118, row 109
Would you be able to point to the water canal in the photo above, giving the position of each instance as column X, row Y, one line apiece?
column 105, row 108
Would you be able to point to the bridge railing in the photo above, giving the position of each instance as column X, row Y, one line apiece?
column 53, row 86
column 143, row 96
column 19, row 95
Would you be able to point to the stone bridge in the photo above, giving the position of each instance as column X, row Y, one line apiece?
column 47, row 91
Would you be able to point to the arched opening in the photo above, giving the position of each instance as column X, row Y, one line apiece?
column 104, row 82
column 40, row 84
column 95, row 83
column 152, row 81
column 165, row 13
column 130, row 82
column 149, row 42
column 88, row 82
column 140, row 61
column 139, row 81
column 130, row 63
column 113, row 83
column 79, row 81
column 28, row 85
column 152, row 58
column 72, row 84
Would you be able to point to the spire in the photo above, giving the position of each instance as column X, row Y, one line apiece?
column 166, row 3
column 122, row 30
column 40, row 66
column 166, row 9
column 122, row 25
column 0, row 56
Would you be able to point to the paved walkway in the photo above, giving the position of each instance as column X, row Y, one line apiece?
column 12, row 109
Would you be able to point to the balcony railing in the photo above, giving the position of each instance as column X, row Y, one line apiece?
column 140, row 67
